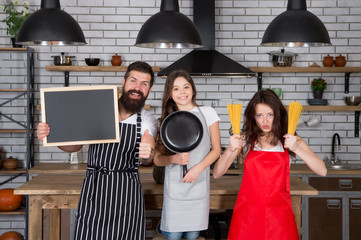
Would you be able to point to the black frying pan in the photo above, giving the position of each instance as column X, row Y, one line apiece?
column 181, row 131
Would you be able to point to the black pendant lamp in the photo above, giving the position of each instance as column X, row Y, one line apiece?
column 50, row 26
column 169, row 29
column 296, row 27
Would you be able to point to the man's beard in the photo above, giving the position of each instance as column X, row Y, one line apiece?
column 131, row 105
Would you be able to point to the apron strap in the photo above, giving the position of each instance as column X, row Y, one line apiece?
column 95, row 171
column 138, row 139
column 204, row 119
column 287, row 166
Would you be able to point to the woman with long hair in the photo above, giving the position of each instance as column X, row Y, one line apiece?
column 263, row 209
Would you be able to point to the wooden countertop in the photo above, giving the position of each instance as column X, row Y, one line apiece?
column 47, row 184
column 67, row 168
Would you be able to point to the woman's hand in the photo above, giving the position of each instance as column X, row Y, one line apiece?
column 43, row 131
column 291, row 142
column 235, row 142
column 180, row 158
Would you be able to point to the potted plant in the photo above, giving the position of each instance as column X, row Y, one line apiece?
column 15, row 16
column 318, row 85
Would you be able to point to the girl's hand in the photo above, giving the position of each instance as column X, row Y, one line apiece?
column 235, row 142
column 192, row 175
column 43, row 131
column 291, row 142
column 180, row 158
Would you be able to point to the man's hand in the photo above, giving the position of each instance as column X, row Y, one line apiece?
column 43, row 131
column 146, row 150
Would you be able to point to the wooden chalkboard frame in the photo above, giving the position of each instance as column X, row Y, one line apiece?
column 89, row 94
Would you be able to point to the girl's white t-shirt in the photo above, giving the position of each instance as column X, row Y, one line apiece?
column 277, row 148
column 209, row 114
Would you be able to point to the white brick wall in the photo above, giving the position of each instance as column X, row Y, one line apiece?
column 111, row 26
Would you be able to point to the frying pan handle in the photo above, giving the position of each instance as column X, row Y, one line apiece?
column 184, row 170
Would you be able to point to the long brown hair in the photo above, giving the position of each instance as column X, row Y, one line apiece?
column 280, row 123
column 168, row 104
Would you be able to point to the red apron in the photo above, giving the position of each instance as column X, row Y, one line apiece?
column 263, row 210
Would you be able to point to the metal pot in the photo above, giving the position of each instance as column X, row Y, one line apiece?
column 282, row 58
column 62, row 59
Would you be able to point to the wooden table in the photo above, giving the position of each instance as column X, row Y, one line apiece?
column 67, row 168
column 59, row 191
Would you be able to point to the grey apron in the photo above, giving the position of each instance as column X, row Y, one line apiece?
column 186, row 205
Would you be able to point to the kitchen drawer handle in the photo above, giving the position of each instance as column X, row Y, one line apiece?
column 345, row 183
column 333, row 204
column 355, row 204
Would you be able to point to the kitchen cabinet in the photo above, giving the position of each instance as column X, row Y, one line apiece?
column 354, row 218
column 336, row 212
column 25, row 127
column 325, row 218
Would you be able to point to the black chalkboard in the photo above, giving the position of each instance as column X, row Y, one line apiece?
column 80, row 115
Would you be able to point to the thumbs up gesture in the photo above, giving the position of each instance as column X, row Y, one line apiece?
column 146, row 147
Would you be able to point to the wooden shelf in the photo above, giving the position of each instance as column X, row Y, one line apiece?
column 146, row 107
column 91, row 68
column 306, row 69
column 13, row 90
column 329, row 108
column 12, row 130
column 20, row 211
column 346, row 70
column 10, row 49
column 18, row 170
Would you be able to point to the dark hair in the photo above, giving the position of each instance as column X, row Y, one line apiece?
column 168, row 104
column 280, row 123
column 140, row 66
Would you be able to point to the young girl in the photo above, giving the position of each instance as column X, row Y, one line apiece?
column 263, row 208
column 186, row 199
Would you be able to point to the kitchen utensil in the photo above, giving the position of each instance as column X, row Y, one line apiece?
column 328, row 61
column 294, row 113
column 340, row 61
column 314, row 64
column 309, row 123
column 313, row 122
column 181, row 131
column 10, row 163
column 92, row 61
column 116, row 60
column 282, row 58
column 319, row 102
column 62, row 59
column 353, row 100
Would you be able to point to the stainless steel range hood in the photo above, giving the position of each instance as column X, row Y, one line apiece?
column 206, row 61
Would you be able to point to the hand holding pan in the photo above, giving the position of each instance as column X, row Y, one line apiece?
column 181, row 131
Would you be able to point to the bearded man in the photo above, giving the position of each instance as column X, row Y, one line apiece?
column 111, row 204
